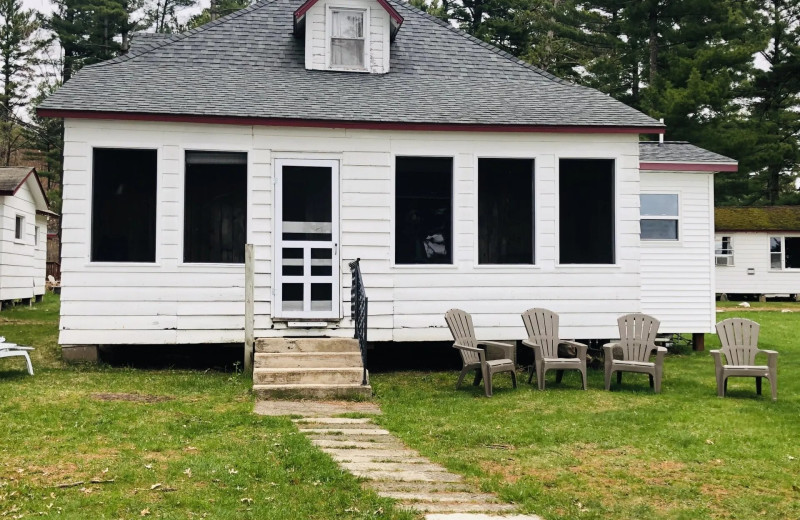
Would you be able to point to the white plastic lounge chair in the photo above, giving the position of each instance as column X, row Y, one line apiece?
column 637, row 334
column 542, row 328
column 12, row 349
column 739, row 338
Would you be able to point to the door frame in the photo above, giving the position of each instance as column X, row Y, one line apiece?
column 335, row 313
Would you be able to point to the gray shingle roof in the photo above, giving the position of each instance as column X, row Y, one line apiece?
column 678, row 151
column 249, row 64
column 143, row 42
column 12, row 177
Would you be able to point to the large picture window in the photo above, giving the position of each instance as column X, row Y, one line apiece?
column 423, row 210
column 784, row 252
column 586, row 211
column 123, row 205
column 215, row 214
column 659, row 216
column 505, row 211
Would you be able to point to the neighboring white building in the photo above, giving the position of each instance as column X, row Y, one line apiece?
column 331, row 130
column 23, row 234
column 758, row 251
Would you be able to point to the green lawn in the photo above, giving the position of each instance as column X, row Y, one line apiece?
column 198, row 451
column 564, row 453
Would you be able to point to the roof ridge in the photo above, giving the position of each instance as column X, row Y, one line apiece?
column 176, row 37
column 484, row 44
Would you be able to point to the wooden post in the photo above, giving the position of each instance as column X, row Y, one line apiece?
column 698, row 341
column 249, row 307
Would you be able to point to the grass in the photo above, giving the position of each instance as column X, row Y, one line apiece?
column 564, row 453
column 188, row 447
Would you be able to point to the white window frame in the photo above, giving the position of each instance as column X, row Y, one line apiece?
column 676, row 218
column 782, row 253
column 726, row 254
column 329, row 35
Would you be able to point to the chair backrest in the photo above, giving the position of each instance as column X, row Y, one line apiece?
column 460, row 324
column 542, row 328
column 637, row 336
column 739, row 338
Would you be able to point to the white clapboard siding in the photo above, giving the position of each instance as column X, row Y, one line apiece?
column 22, row 261
column 172, row 302
column 677, row 277
column 751, row 251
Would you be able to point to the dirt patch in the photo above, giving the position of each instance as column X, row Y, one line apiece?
column 133, row 398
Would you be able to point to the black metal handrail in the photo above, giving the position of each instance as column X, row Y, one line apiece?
column 359, row 304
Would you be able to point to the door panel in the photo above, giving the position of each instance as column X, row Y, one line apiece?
column 307, row 281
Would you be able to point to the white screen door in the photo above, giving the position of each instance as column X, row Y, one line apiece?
column 307, row 239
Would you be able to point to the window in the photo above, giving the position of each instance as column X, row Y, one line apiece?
column 19, row 227
column 347, row 39
column 723, row 251
column 36, row 235
column 659, row 217
column 505, row 211
column 784, row 252
column 586, row 211
column 215, row 207
column 423, row 210
column 123, row 205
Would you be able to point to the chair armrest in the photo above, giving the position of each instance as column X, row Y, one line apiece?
column 610, row 346
column 580, row 347
column 717, row 355
column 498, row 350
column 468, row 348
column 772, row 357
column 15, row 347
column 530, row 344
column 660, row 353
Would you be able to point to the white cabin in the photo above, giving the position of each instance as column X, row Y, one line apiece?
column 368, row 130
column 23, row 234
column 758, row 251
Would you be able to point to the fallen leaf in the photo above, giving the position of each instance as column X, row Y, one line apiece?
column 156, row 486
column 232, row 471
column 246, row 500
column 188, row 472
column 709, row 441
column 144, row 512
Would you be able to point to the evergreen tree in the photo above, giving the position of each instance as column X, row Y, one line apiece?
column 216, row 10
column 163, row 16
column 19, row 47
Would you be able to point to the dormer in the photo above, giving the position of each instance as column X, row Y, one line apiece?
column 347, row 35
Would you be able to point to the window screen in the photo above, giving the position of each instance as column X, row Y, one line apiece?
column 423, row 210
column 505, row 211
column 586, row 211
column 659, row 216
column 347, row 39
column 215, row 214
column 792, row 252
column 123, row 205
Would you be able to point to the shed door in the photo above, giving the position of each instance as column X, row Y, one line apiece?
column 307, row 240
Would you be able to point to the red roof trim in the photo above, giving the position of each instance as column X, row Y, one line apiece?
column 303, row 9
column 368, row 125
column 689, row 167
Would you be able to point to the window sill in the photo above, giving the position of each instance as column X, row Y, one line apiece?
column 345, row 69
column 117, row 265
column 425, row 267
column 19, row 241
column 588, row 266
column 511, row 268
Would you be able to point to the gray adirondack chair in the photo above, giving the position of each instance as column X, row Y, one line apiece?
column 542, row 328
column 637, row 333
column 494, row 358
column 14, row 350
column 739, row 338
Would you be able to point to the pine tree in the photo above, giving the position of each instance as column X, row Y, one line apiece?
column 216, row 10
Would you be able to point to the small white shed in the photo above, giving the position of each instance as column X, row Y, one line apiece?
column 757, row 251
column 23, row 234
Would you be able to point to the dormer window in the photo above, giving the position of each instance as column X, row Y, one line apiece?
column 347, row 43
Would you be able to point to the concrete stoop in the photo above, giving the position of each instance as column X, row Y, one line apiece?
column 392, row 470
column 309, row 368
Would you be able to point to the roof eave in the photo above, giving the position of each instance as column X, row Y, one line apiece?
column 331, row 123
column 689, row 166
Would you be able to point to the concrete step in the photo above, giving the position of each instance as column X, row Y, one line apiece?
column 330, row 420
column 313, row 391
column 350, row 444
column 409, row 496
column 328, row 376
column 425, row 488
column 408, row 476
column 308, row 360
column 266, row 345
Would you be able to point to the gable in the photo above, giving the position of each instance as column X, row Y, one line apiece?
column 14, row 179
column 249, row 68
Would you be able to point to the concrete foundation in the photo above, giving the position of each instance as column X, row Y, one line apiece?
column 80, row 353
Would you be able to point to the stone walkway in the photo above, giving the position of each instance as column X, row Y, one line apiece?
column 387, row 466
